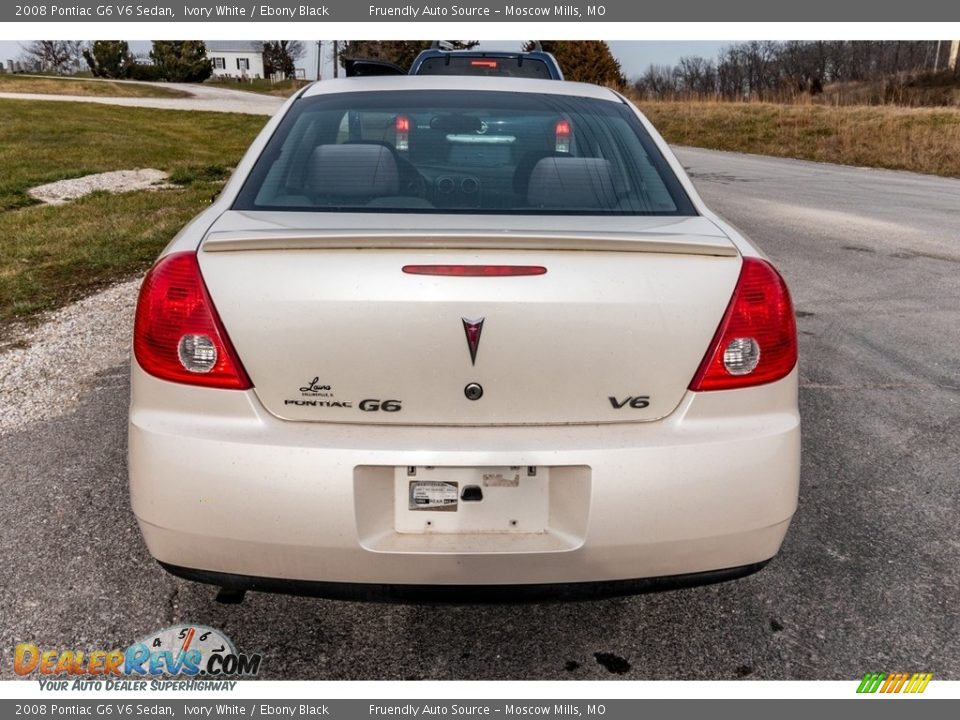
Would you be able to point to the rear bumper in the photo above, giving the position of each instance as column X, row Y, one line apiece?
column 222, row 489
column 464, row 594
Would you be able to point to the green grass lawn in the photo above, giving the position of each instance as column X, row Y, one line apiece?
column 85, row 86
column 51, row 255
column 41, row 142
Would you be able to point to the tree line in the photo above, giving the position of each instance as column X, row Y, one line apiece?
column 186, row 61
column 171, row 60
column 769, row 70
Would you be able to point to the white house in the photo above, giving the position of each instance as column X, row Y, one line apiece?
column 235, row 59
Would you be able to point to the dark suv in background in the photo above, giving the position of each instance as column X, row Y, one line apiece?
column 442, row 59
column 535, row 64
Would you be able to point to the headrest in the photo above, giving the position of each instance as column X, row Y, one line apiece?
column 572, row 182
column 353, row 170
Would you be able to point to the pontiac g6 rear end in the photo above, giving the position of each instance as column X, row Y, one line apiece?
column 468, row 339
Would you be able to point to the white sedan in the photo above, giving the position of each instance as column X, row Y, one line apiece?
column 462, row 339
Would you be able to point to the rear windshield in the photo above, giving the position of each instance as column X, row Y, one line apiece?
column 449, row 151
column 508, row 66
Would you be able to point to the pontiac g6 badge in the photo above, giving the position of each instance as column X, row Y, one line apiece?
column 473, row 328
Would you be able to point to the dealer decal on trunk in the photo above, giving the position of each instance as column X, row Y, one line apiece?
column 317, row 389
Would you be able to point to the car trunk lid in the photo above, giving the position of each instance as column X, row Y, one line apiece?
column 330, row 327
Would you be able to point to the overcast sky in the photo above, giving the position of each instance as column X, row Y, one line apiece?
column 634, row 56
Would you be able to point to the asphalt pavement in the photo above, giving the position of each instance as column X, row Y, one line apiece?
column 868, row 579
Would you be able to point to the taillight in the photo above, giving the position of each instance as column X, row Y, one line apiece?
column 177, row 334
column 756, row 342
column 492, row 64
column 402, row 127
column 563, row 133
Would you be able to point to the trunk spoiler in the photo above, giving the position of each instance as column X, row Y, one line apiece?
column 645, row 242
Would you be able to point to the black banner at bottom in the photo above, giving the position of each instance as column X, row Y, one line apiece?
column 873, row 707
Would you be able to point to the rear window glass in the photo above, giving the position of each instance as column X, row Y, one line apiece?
column 508, row 67
column 449, row 151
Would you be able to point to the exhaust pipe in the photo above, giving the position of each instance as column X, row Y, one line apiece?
column 230, row 596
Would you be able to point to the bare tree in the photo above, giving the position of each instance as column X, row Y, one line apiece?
column 280, row 56
column 55, row 55
column 657, row 82
column 75, row 49
column 766, row 70
column 295, row 49
column 696, row 76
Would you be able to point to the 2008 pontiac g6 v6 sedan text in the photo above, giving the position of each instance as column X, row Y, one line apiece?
column 462, row 338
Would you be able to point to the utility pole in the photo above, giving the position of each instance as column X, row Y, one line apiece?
column 336, row 59
column 319, row 59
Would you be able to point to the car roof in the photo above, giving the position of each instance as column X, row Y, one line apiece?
column 383, row 83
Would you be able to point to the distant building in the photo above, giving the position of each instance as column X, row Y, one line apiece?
column 235, row 59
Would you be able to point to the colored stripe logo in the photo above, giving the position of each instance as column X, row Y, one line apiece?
column 900, row 682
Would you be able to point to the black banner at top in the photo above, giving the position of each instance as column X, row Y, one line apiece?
column 616, row 11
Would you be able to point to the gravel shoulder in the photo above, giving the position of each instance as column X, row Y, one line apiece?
column 44, row 378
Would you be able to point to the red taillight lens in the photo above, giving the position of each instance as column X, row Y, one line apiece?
column 402, row 127
column 756, row 342
column 563, row 133
column 492, row 64
column 177, row 335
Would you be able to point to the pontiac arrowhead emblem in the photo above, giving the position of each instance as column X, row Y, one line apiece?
column 473, row 328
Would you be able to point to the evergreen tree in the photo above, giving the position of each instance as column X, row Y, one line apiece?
column 181, row 60
column 109, row 58
column 584, row 61
column 280, row 56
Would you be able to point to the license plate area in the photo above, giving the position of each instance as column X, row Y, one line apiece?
column 471, row 500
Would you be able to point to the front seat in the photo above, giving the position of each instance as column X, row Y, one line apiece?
column 352, row 174
column 572, row 182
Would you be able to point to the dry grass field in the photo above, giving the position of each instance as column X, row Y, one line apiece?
column 924, row 140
